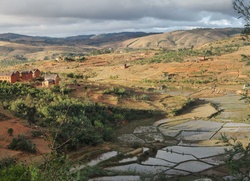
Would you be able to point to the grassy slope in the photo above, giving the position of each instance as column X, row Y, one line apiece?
column 180, row 39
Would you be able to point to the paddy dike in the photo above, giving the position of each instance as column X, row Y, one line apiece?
column 195, row 135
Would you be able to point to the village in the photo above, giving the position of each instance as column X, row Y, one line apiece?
column 28, row 76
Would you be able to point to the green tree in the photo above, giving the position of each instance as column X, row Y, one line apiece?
column 15, row 172
column 23, row 144
column 242, row 7
column 10, row 131
column 238, row 158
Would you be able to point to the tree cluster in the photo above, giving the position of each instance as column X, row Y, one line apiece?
column 73, row 123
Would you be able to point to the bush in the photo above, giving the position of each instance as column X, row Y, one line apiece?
column 144, row 97
column 36, row 134
column 6, row 162
column 15, row 172
column 116, row 90
column 10, row 131
column 70, row 75
column 238, row 158
column 22, row 143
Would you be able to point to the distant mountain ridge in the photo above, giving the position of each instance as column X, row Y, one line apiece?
column 92, row 40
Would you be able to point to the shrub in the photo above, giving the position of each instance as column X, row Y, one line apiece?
column 15, row 172
column 10, row 131
column 76, row 76
column 144, row 97
column 6, row 162
column 175, row 112
column 113, row 76
column 70, row 75
column 237, row 160
column 22, row 143
column 36, row 134
column 81, row 59
column 69, row 59
column 136, row 145
column 116, row 90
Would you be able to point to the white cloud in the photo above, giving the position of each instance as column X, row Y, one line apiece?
column 72, row 17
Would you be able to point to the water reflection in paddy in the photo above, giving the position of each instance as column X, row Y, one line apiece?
column 117, row 178
column 138, row 168
column 202, row 132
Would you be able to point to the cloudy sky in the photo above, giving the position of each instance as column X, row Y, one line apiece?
column 58, row 18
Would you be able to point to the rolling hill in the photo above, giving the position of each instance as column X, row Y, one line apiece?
column 15, row 47
column 181, row 39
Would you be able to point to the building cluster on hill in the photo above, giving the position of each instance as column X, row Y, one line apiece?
column 15, row 76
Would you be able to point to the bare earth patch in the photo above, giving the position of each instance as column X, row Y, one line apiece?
column 19, row 129
column 202, row 111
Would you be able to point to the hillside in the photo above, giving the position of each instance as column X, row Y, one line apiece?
column 181, row 39
column 16, row 49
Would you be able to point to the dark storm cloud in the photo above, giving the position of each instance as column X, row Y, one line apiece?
column 80, row 16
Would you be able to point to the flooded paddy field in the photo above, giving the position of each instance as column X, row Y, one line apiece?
column 185, row 147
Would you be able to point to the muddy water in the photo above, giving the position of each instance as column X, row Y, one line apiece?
column 196, row 151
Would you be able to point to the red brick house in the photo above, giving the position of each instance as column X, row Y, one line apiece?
column 51, row 79
column 11, row 77
column 17, row 75
column 27, row 75
column 36, row 73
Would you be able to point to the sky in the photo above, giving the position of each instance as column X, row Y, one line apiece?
column 61, row 18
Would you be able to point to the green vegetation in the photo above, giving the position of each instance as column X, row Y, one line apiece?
column 37, row 133
column 76, row 76
column 6, row 162
column 23, row 144
column 187, row 104
column 117, row 91
column 144, row 97
column 73, row 123
column 10, row 131
column 238, row 158
column 166, row 56
column 153, row 81
column 56, row 168
column 113, row 77
column 242, row 8
column 195, row 81
column 15, row 172
column 14, row 61
column 99, row 52
column 73, row 59
column 245, row 58
column 70, row 57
